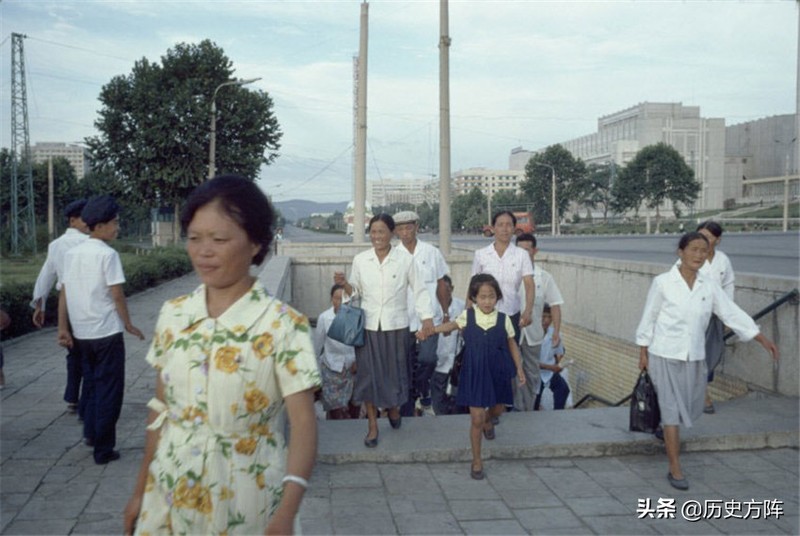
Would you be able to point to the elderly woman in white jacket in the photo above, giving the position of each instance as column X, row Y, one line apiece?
column 381, row 277
column 671, row 337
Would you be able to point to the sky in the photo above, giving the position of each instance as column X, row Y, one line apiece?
column 522, row 73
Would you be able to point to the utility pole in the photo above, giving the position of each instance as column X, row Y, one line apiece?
column 51, row 220
column 23, row 223
column 444, row 129
column 360, row 190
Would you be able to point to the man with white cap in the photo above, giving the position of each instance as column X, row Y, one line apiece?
column 432, row 266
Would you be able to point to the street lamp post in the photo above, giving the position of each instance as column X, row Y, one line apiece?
column 212, row 144
column 553, row 208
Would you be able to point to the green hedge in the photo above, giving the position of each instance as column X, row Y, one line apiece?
column 142, row 271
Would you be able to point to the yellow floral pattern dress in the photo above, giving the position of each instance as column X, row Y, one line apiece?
column 221, row 453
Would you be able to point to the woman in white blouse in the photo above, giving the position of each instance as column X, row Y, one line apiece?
column 381, row 277
column 671, row 337
column 718, row 267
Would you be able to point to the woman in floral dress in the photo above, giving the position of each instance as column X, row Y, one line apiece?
column 230, row 358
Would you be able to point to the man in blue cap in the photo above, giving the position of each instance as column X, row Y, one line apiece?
column 93, row 302
column 51, row 273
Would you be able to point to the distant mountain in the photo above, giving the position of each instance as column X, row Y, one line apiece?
column 295, row 209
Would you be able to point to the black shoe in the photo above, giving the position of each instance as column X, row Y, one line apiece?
column 681, row 484
column 396, row 423
column 659, row 433
column 88, row 442
column 371, row 443
column 495, row 420
column 113, row 456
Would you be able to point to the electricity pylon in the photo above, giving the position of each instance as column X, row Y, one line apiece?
column 23, row 223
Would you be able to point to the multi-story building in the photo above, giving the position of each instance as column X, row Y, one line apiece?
column 415, row 191
column 488, row 181
column 619, row 136
column 77, row 156
column 762, row 149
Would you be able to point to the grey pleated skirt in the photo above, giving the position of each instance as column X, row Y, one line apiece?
column 382, row 375
column 680, row 388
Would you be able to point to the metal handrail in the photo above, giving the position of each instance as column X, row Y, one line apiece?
column 789, row 296
column 793, row 296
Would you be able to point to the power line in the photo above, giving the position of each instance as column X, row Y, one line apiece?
column 90, row 51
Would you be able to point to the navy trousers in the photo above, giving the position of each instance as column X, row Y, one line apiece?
column 103, row 363
column 72, row 392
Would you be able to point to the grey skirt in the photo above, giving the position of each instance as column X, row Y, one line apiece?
column 680, row 388
column 382, row 375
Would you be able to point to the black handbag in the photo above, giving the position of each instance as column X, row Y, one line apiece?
column 348, row 325
column 645, row 413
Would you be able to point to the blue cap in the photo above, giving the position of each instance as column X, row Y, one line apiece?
column 74, row 209
column 100, row 209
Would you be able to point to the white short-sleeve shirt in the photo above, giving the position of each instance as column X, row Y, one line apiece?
column 546, row 292
column 508, row 270
column 336, row 355
column 90, row 269
column 431, row 267
column 448, row 346
column 53, row 266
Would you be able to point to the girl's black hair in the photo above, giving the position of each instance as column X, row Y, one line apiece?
column 507, row 213
column 711, row 226
column 478, row 280
column 242, row 201
column 689, row 237
column 385, row 218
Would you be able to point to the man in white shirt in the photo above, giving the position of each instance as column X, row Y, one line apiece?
column 533, row 335
column 432, row 267
column 50, row 274
column 448, row 345
column 93, row 304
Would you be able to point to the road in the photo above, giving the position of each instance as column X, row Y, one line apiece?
column 767, row 253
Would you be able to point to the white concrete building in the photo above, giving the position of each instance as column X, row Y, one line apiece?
column 762, row 149
column 488, row 181
column 414, row 190
column 77, row 156
column 620, row 135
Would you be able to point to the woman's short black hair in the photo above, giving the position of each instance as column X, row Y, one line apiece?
column 385, row 218
column 711, row 226
column 478, row 280
column 690, row 237
column 243, row 201
column 507, row 213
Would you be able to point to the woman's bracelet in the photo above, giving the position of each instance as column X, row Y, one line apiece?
column 296, row 479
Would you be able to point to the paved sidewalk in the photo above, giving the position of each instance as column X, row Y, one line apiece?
column 575, row 472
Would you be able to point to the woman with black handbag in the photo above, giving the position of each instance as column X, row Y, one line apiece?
column 671, row 339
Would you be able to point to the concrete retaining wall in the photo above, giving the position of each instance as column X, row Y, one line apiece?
column 603, row 304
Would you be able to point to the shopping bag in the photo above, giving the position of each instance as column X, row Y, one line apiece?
column 348, row 325
column 645, row 415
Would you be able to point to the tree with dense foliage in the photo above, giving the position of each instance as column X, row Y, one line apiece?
column 154, row 125
column 570, row 181
column 599, row 179
column 65, row 190
column 508, row 200
column 468, row 211
column 658, row 173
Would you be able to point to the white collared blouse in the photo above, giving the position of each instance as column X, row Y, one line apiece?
column 675, row 317
column 382, row 287
column 508, row 270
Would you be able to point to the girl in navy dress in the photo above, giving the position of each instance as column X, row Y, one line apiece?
column 491, row 360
